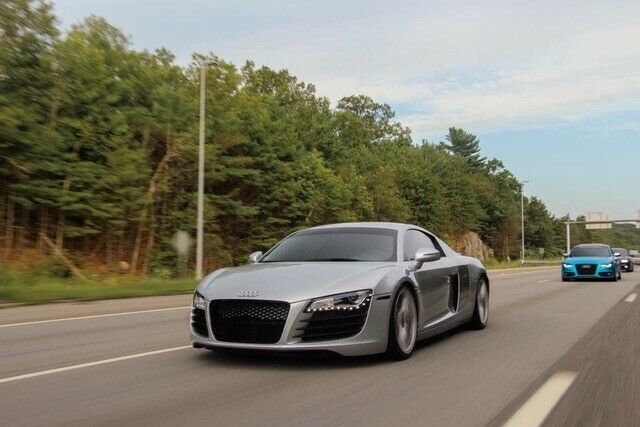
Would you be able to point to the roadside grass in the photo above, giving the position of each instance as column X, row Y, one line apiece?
column 493, row 264
column 24, row 287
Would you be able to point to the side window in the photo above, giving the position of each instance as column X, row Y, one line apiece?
column 413, row 240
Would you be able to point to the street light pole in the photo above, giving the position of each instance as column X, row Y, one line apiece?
column 522, row 183
column 200, row 215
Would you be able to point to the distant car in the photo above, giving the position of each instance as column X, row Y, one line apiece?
column 590, row 261
column 624, row 259
column 635, row 256
column 353, row 289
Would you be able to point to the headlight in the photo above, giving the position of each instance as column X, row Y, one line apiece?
column 567, row 265
column 347, row 301
column 606, row 265
column 624, row 261
column 198, row 301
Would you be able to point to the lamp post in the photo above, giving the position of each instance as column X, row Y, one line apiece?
column 200, row 214
column 522, row 183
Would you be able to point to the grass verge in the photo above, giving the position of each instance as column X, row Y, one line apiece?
column 497, row 265
column 27, row 288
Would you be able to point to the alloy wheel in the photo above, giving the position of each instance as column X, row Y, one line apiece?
column 406, row 321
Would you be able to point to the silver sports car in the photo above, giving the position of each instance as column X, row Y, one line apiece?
column 353, row 289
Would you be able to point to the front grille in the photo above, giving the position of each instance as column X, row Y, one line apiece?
column 332, row 325
column 199, row 321
column 586, row 269
column 248, row 321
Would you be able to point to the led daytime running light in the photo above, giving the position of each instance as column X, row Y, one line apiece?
column 340, row 308
column 340, row 302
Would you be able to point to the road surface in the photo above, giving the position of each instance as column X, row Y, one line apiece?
column 558, row 353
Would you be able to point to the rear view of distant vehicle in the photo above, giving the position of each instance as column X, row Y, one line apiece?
column 635, row 256
column 625, row 261
column 591, row 261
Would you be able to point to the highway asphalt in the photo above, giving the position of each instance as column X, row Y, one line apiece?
column 569, row 350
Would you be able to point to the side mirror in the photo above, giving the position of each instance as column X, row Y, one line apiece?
column 255, row 257
column 426, row 255
column 565, row 254
column 616, row 254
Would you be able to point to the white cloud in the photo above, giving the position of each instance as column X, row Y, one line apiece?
column 488, row 64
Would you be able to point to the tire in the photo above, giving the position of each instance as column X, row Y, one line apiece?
column 480, row 316
column 564, row 279
column 403, row 325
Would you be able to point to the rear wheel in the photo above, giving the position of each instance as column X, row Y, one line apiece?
column 403, row 325
column 480, row 315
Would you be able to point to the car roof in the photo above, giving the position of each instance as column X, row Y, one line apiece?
column 388, row 225
column 593, row 245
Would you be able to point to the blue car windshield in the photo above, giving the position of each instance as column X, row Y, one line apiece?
column 336, row 244
column 590, row 251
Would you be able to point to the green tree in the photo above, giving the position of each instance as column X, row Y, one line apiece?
column 466, row 145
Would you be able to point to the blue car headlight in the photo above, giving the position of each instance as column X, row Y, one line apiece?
column 606, row 265
column 567, row 266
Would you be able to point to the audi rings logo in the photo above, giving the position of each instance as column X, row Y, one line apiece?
column 248, row 294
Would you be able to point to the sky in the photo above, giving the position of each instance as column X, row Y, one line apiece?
column 550, row 88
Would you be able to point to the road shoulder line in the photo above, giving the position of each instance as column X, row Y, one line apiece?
column 93, row 316
column 539, row 406
column 90, row 364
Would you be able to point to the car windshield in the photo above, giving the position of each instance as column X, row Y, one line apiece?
column 586, row 251
column 621, row 251
column 337, row 244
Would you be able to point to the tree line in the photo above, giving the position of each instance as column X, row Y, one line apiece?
column 98, row 155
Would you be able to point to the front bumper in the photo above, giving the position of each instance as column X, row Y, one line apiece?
column 598, row 274
column 371, row 339
column 626, row 266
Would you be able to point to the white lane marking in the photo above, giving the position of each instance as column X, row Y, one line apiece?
column 94, row 316
column 90, row 364
column 538, row 407
column 631, row 298
column 544, row 281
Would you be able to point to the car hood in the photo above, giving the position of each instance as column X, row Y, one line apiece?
column 295, row 281
column 588, row 260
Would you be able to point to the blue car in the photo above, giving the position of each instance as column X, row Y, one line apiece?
column 592, row 261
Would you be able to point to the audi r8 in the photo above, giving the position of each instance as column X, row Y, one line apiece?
column 352, row 289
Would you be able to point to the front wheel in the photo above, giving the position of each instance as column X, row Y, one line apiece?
column 480, row 316
column 403, row 325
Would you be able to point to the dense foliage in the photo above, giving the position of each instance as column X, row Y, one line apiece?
column 98, row 153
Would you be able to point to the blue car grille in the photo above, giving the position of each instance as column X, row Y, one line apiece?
column 586, row 269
